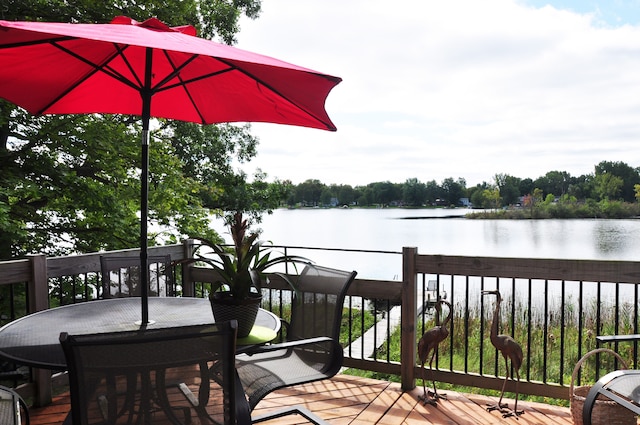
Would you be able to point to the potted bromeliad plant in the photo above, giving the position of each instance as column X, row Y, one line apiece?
column 241, row 273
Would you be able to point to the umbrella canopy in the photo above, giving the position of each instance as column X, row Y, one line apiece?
column 60, row 68
column 152, row 70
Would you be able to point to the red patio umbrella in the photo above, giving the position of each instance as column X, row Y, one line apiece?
column 152, row 70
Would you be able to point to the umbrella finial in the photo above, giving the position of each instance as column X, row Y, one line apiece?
column 155, row 24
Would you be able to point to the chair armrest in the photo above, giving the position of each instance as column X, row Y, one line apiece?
column 285, row 345
column 617, row 338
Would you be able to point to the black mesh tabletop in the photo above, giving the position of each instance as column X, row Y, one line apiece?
column 627, row 385
column 33, row 340
column 621, row 386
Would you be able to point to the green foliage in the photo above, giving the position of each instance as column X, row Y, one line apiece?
column 549, row 199
column 355, row 322
column 567, row 208
column 622, row 179
column 219, row 18
column 608, row 186
column 71, row 183
column 611, row 180
column 253, row 198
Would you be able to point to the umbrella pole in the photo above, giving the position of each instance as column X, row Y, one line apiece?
column 144, row 208
column 144, row 189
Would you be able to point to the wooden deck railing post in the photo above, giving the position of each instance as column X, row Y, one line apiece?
column 38, row 299
column 408, row 318
column 38, row 289
column 188, row 288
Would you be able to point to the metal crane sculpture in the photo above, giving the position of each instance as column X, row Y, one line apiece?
column 508, row 347
column 429, row 344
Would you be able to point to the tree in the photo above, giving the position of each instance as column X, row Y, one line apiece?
column 384, row 193
column 366, row 195
column 347, row 195
column 509, row 188
column 526, row 186
column 491, row 198
column 555, row 182
column 477, row 197
column 433, row 192
column 453, row 190
column 70, row 183
column 608, row 186
column 250, row 197
column 308, row 192
column 475, row 194
column 414, row 193
column 627, row 174
column 326, row 196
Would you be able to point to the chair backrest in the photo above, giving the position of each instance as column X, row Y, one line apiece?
column 121, row 276
column 153, row 375
column 317, row 308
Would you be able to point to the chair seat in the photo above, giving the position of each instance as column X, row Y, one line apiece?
column 280, row 365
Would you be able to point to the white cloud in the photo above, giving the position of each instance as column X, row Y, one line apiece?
column 452, row 89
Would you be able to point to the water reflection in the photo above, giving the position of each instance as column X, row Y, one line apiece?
column 610, row 237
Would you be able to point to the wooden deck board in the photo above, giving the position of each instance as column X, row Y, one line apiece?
column 353, row 400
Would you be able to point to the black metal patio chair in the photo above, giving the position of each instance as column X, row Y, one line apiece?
column 13, row 409
column 155, row 376
column 121, row 276
column 311, row 351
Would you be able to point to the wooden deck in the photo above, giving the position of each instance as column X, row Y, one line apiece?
column 360, row 401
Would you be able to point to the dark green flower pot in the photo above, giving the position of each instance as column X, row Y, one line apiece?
column 225, row 308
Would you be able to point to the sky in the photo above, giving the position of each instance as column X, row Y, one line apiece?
column 458, row 88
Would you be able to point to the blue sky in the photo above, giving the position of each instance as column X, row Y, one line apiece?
column 612, row 12
column 462, row 88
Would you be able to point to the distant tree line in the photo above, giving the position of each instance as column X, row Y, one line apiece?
column 610, row 181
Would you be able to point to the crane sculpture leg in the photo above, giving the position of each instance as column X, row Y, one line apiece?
column 428, row 345
column 509, row 348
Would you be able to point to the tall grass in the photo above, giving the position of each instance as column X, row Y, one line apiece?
column 552, row 344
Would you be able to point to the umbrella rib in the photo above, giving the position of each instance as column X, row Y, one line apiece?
column 194, row 79
column 94, row 69
column 121, row 77
column 183, row 83
column 36, row 42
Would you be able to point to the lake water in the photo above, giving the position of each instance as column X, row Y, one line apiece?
column 441, row 231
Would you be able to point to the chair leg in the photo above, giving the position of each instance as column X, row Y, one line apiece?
column 302, row 411
column 25, row 411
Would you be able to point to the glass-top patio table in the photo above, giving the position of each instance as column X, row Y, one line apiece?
column 621, row 386
column 33, row 340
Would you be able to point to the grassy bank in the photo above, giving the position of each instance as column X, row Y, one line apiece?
column 563, row 209
column 550, row 355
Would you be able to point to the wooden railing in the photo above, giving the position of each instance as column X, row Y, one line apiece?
column 553, row 308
